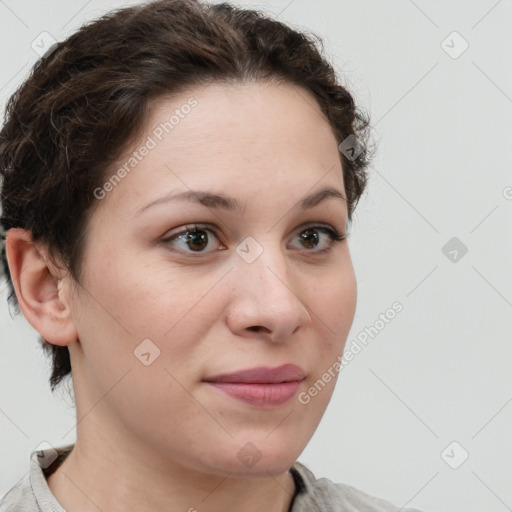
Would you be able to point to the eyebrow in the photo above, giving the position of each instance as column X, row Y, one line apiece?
column 225, row 202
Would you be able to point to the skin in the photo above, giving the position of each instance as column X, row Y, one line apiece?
column 157, row 437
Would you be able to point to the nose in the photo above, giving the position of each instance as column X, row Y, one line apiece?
column 265, row 298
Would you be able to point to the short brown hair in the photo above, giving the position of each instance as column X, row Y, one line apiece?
column 87, row 99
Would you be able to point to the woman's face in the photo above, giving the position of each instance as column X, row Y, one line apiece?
column 158, row 315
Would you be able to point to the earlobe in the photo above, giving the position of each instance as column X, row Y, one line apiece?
column 39, row 289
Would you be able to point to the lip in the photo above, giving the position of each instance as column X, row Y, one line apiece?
column 262, row 375
column 262, row 387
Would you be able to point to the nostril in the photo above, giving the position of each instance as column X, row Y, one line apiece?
column 259, row 328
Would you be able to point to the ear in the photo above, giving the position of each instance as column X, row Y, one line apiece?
column 41, row 289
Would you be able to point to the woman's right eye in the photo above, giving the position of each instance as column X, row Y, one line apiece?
column 191, row 239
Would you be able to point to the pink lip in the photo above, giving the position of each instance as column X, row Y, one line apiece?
column 262, row 375
column 263, row 387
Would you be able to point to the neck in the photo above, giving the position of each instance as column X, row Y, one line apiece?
column 105, row 477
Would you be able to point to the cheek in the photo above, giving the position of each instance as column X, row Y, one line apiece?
column 118, row 310
column 129, row 302
column 145, row 298
column 335, row 304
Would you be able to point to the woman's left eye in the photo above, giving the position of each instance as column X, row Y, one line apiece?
column 195, row 238
column 311, row 237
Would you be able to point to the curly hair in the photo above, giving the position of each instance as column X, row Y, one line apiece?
column 87, row 99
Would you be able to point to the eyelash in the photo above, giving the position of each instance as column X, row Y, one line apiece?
column 334, row 235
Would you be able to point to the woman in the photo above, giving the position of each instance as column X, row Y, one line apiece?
column 178, row 182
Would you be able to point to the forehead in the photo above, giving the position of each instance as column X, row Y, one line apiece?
column 238, row 136
column 257, row 112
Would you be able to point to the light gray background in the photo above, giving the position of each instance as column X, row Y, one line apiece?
column 440, row 371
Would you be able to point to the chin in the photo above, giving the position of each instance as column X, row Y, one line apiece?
column 259, row 458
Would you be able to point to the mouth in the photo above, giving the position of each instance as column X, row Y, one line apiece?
column 262, row 387
column 262, row 375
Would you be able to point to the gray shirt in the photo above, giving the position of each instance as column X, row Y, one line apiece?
column 32, row 494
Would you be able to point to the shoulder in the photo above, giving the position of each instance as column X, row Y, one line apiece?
column 324, row 495
column 19, row 498
column 31, row 493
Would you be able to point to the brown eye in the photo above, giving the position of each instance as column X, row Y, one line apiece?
column 311, row 238
column 192, row 239
column 196, row 240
